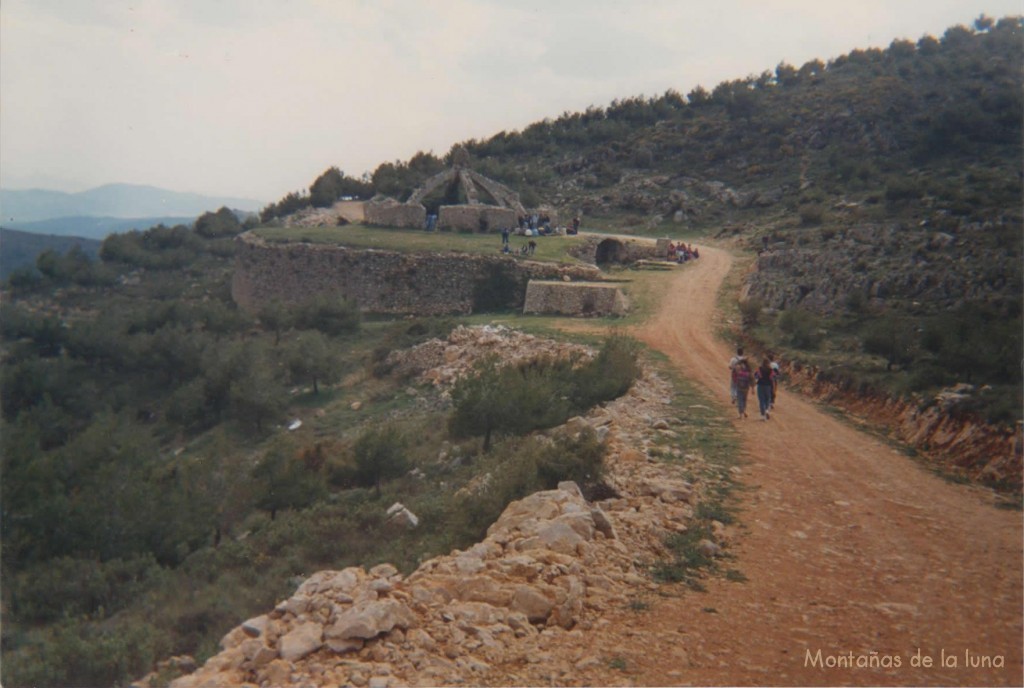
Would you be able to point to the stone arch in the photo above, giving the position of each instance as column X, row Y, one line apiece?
column 611, row 251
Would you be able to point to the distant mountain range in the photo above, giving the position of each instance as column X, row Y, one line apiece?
column 122, row 201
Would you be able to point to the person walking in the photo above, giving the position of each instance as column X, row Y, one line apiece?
column 765, row 380
column 776, row 374
column 733, row 363
column 741, row 380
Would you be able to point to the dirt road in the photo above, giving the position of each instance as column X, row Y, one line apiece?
column 863, row 567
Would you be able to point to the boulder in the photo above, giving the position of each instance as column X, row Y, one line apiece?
column 529, row 601
column 256, row 626
column 301, row 641
column 369, row 619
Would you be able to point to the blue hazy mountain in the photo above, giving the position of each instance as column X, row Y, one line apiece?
column 123, row 201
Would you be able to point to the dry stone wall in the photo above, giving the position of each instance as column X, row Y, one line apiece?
column 391, row 213
column 574, row 298
column 475, row 218
column 599, row 249
column 386, row 281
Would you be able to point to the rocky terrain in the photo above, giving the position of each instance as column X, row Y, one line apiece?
column 883, row 265
column 515, row 608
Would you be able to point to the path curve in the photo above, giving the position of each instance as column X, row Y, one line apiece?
column 850, row 548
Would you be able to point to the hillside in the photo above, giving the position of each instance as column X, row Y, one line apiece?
column 173, row 465
column 20, row 249
column 96, row 227
column 122, row 201
column 881, row 191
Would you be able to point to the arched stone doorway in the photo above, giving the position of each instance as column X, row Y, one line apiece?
column 610, row 252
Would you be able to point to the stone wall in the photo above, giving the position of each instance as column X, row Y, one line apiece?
column 475, row 218
column 574, row 298
column 391, row 213
column 387, row 281
column 619, row 250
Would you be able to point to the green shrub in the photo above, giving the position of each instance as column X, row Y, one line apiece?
column 540, row 393
column 68, row 587
column 609, row 375
column 892, row 338
column 801, row 327
column 811, row 214
column 750, row 312
column 286, row 482
column 329, row 314
column 380, row 455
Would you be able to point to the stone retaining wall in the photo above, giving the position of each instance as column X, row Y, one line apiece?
column 387, row 281
column 475, row 218
column 621, row 250
column 574, row 298
column 391, row 213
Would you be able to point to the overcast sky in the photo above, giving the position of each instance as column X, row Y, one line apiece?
column 255, row 98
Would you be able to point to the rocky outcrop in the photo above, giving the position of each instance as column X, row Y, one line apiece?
column 441, row 362
column 824, row 271
column 341, row 213
column 514, row 608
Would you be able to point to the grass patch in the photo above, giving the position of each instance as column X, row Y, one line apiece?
column 549, row 248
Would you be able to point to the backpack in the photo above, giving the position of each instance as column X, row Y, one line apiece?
column 742, row 377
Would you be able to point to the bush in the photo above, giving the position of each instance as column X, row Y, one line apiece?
column 287, row 482
column 219, row 224
column 517, row 468
column 750, row 312
column 802, row 328
column 811, row 214
column 380, row 455
column 609, row 375
column 79, row 652
column 541, row 393
column 891, row 338
column 505, row 400
column 68, row 587
column 332, row 315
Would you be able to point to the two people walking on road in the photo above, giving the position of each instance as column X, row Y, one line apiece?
column 764, row 379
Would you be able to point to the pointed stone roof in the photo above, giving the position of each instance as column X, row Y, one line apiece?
column 471, row 183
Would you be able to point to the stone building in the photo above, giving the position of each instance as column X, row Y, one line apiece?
column 489, row 206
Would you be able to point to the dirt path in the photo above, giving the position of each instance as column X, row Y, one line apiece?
column 850, row 548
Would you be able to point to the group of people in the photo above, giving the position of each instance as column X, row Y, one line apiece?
column 527, row 249
column 765, row 378
column 681, row 252
column 535, row 222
